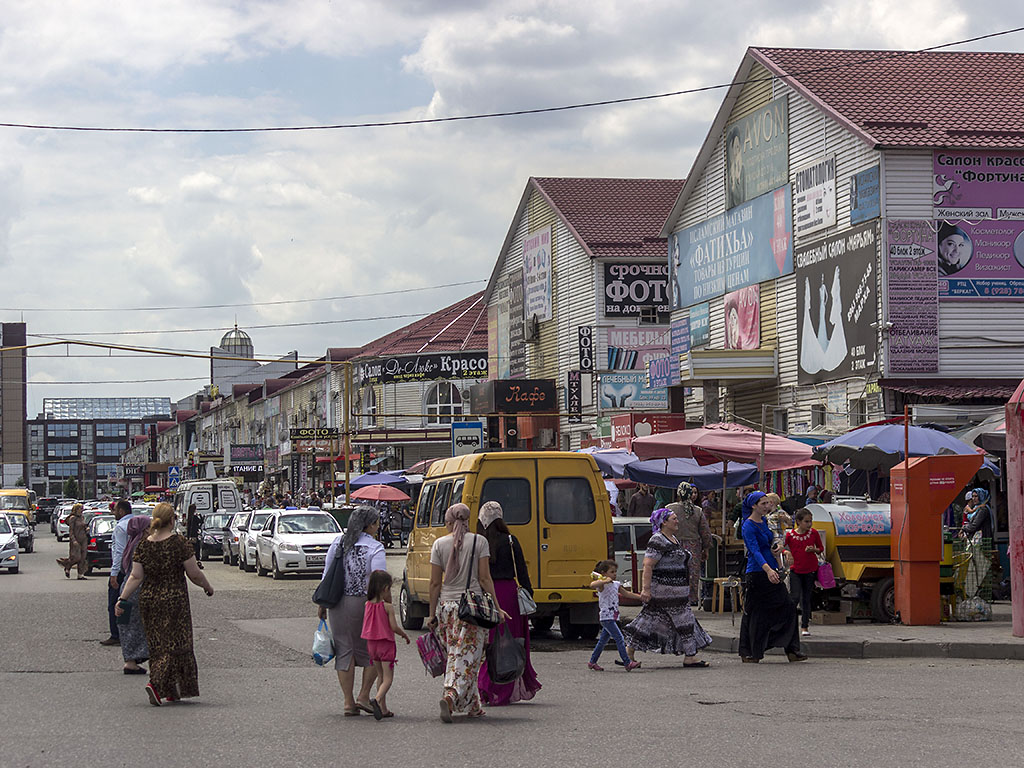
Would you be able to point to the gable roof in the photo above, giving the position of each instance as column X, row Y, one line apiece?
column 609, row 217
column 456, row 328
column 891, row 99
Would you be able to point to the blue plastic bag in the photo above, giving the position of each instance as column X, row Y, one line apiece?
column 323, row 644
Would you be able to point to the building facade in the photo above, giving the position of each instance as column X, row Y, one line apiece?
column 13, row 405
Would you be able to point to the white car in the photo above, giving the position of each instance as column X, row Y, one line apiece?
column 232, row 538
column 60, row 526
column 247, row 534
column 295, row 541
column 8, row 546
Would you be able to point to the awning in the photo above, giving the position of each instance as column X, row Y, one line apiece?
column 338, row 459
column 728, row 365
column 954, row 389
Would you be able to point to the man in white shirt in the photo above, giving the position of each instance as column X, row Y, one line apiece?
column 122, row 513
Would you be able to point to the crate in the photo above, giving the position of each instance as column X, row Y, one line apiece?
column 827, row 617
column 856, row 610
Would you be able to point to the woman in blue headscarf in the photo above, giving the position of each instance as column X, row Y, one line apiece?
column 979, row 515
column 666, row 624
column 769, row 616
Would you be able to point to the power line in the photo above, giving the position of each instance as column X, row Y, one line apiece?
column 507, row 113
column 111, row 381
column 242, row 304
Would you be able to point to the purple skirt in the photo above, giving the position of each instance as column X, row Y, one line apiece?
column 525, row 687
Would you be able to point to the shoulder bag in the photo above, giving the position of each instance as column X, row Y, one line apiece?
column 527, row 605
column 331, row 589
column 477, row 609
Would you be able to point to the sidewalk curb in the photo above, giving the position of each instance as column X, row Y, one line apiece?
column 888, row 649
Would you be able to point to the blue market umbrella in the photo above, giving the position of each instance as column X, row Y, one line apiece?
column 611, row 461
column 669, row 473
column 880, row 447
column 377, row 478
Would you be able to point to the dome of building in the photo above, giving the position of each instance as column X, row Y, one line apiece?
column 238, row 343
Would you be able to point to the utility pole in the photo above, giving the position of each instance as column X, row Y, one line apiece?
column 348, row 438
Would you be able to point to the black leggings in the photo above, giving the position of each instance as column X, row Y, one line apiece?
column 801, row 590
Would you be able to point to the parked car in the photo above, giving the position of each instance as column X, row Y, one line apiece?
column 295, row 541
column 211, row 535
column 247, row 538
column 101, row 535
column 232, row 536
column 24, row 529
column 8, row 545
column 45, row 508
column 631, row 535
column 61, row 525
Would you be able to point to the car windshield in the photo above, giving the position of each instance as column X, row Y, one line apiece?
column 307, row 524
column 5, row 527
column 101, row 525
column 259, row 520
column 18, row 519
column 239, row 519
column 14, row 502
column 216, row 521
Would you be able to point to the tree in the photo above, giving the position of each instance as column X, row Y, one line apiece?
column 71, row 488
column 20, row 482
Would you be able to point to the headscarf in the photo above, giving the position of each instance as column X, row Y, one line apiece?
column 362, row 518
column 456, row 518
column 981, row 498
column 684, row 490
column 136, row 529
column 658, row 517
column 749, row 501
column 489, row 512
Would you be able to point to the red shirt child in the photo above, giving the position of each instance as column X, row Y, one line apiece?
column 805, row 560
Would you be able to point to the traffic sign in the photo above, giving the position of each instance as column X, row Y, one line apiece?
column 467, row 437
column 173, row 477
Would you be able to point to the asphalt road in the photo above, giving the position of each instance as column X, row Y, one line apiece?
column 63, row 698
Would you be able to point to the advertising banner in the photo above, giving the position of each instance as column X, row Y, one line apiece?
column 514, row 396
column 574, row 397
column 665, row 372
column 630, row 288
column 750, row 244
column 492, row 342
column 247, row 452
column 630, row 349
column 814, row 196
column 537, row 274
column 983, row 260
column 437, row 367
column 978, row 184
column 314, row 433
column 742, row 311
column 585, row 339
column 836, row 305
column 503, row 356
column 757, row 153
column 516, row 329
column 864, row 196
column 700, row 325
column 913, row 297
column 628, row 391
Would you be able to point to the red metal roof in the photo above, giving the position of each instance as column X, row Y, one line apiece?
column 898, row 99
column 616, row 218
column 460, row 327
column 953, row 389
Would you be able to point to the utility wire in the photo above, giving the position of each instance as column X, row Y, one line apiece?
column 508, row 113
column 111, row 381
column 242, row 304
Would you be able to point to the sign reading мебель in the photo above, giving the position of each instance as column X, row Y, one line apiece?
column 814, row 196
column 629, row 391
column 631, row 289
column 467, row 437
column 980, row 260
column 537, row 274
column 913, row 297
column 977, row 184
column 630, row 348
column 757, row 153
column 442, row 366
column 750, row 244
column 836, row 304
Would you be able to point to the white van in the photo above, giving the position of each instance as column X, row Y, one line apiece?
column 209, row 496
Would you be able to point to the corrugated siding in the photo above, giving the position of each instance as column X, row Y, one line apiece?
column 756, row 92
column 542, row 356
column 907, row 185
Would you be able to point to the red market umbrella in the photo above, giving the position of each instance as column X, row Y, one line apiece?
column 726, row 442
column 420, row 467
column 379, row 493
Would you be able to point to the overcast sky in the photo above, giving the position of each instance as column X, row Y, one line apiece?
column 119, row 220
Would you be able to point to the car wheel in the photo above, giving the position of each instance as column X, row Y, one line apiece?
column 31, row 546
column 13, row 570
column 226, row 558
column 404, row 605
column 883, row 600
column 260, row 570
column 274, row 570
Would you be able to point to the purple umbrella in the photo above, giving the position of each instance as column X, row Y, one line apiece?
column 880, row 447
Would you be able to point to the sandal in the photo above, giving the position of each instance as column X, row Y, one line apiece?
column 365, row 707
column 446, row 709
column 698, row 664
column 352, row 712
column 388, row 714
column 154, row 697
column 378, row 713
column 476, row 713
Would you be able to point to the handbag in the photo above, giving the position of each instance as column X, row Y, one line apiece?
column 527, row 605
column 475, row 609
column 331, row 589
column 826, row 577
column 323, row 644
column 432, row 653
column 506, row 657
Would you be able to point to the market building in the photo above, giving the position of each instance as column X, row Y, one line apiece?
column 578, row 303
column 850, row 240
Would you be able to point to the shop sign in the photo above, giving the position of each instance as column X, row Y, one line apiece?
column 700, row 325
column 757, row 153
column 435, row 367
column 502, row 353
column 585, row 339
column 632, row 348
column 574, row 397
column 514, row 396
column 246, row 469
column 865, row 199
column 977, row 184
column 131, row 470
column 314, row 433
column 837, row 305
column 537, row 274
column 913, row 297
column 742, row 310
column 313, row 446
column 814, row 196
column 981, row 260
column 246, row 452
column 632, row 289
column 517, row 329
column 629, row 425
column 629, row 391
column 747, row 245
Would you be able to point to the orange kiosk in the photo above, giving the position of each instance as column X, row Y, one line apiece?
column 919, row 493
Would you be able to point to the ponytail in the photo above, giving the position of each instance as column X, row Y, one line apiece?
column 163, row 517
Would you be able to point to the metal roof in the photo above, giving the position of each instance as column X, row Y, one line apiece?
column 100, row 408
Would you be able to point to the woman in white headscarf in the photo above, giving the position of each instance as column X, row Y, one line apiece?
column 458, row 559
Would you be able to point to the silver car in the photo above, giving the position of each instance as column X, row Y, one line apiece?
column 247, row 534
column 232, row 538
column 295, row 541
column 8, row 546
column 25, row 530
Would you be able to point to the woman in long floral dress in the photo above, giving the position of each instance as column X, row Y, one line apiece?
column 78, row 538
column 666, row 623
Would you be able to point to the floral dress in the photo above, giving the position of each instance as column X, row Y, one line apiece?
column 167, row 617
